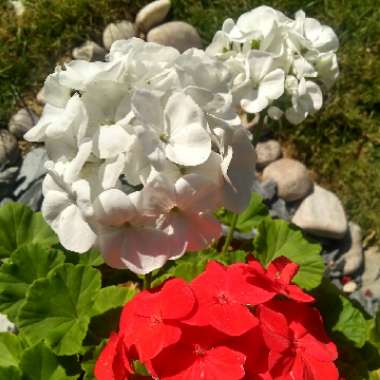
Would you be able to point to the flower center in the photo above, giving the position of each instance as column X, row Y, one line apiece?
column 164, row 138
column 222, row 299
column 199, row 351
column 155, row 319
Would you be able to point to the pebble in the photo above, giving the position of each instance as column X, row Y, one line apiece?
column 371, row 265
column 322, row 214
column 23, row 120
column 32, row 169
column 177, row 34
column 292, row 178
column 352, row 258
column 122, row 30
column 152, row 14
column 267, row 152
column 9, row 150
column 350, row 287
column 267, row 189
column 7, row 180
column 89, row 51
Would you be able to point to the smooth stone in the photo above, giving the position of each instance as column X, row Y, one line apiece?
column 267, row 152
column 371, row 265
column 350, row 287
column 267, row 189
column 9, row 150
column 89, row 51
column 33, row 196
column 6, row 325
column 279, row 210
column 23, row 120
column 177, row 34
column 322, row 214
column 152, row 14
column 292, row 179
column 32, row 169
column 352, row 257
column 122, row 30
column 7, row 180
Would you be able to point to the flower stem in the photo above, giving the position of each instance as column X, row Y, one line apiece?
column 230, row 233
column 148, row 281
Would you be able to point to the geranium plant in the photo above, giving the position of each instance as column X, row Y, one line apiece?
column 148, row 158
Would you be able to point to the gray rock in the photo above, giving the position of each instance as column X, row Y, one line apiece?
column 267, row 152
column 322, row 214
column 152, row 14
column 352, row 258
column 177, row 34
column 279, row 210
column 9, row 150
column 89, row 51
column 292, row 179
column 32, row 170
column 33, row 196
column 371, row 266
column 122, row 30
column 23, row 120
column 267, row 189
column 7, row 180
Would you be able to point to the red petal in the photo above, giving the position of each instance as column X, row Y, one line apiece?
column 317, row 370
column 176, row 299
column 282, row 268
column 296, row 293
column 275, row 329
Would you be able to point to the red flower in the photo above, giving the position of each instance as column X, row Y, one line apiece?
column 300, row 349
column 222, row 294
column 149, row 321
column 113, row 363
column 277, row 278
column 200, row 354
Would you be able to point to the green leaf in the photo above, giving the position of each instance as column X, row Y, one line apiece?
column 27, row 264
column 112, row 297
column 346, row 321
column 39, row 363
column 89, row 364
column 10, row 373
column 58, row 308
column 91, row 258
column 10, row 350
column 19, row 225
column 250, row 218
column 277, row 238
column 192, row 264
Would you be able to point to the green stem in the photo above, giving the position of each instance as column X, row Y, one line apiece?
column 148, row 280
column 230, row 233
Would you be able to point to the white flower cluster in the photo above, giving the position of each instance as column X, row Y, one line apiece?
column 278, row 64
column 143, row 149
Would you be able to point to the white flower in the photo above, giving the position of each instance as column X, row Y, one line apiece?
column 65, row 208
column 176, row 129
column 264, row 82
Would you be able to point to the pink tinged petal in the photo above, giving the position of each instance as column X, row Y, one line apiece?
column 195, row 193
column 272, row 85
column 189, row 143
column 275, row 329
column 73, row 231
column 237, row 189
column 141, row 250
column 113, row 207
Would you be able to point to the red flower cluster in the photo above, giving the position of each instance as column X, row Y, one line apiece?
column 229, row 323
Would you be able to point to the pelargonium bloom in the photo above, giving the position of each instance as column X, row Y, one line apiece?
column 112, row 128
column 222, row 325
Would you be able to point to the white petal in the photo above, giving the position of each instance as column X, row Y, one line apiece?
column 73, row 231
column 53, row 204
column 111, row 170
column 76, row 165
column 272, row 85
column 113, row 207
column 55, row 93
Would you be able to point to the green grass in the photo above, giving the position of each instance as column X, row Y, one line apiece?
column 341, row 144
